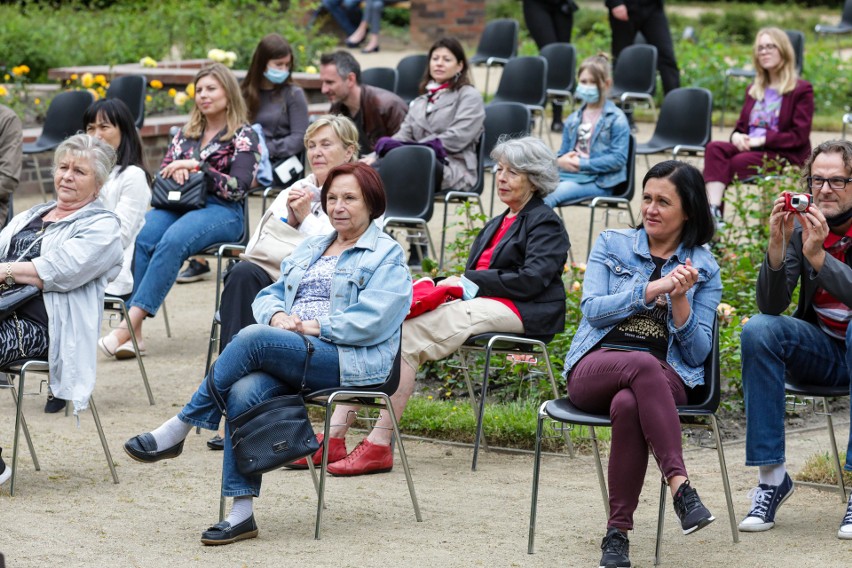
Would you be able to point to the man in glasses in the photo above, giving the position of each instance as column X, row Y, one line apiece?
column 809, row 245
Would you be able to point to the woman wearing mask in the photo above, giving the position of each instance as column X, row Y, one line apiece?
column 593, row 156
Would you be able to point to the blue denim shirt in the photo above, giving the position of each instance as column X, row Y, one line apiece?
column 617, row 274
column 607, row 159
column 370, row 296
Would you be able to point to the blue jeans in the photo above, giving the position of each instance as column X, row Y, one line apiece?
column 169, row 238
column 568, row 191
column 771, row 347
column 261, row 362
column 346, row 13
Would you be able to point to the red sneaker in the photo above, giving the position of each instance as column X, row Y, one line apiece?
column 336, row 451
column 365, row 458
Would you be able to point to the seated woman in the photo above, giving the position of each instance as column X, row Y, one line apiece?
column 69, row 248
column 649, row 303
column 354, row 326
column 218, row 142
column 127, row 191
column 450, row 114
column 368, row 28
column 515, row 264
column 593, row 156
column 774, row 124
column 275, row 104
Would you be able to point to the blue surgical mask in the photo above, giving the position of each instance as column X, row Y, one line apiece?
column 276, row 76
column 587, row 93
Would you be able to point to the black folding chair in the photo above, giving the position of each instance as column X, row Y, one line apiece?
column 524, row 81
column 410, row 71
column 502, row 119
column 703, row 403
column 64, row 118
column 131, row 90
column 382, row 77
column 497, row 45
column 561, row 72
column 634, row 78
column 685, row 123
column 843, row 27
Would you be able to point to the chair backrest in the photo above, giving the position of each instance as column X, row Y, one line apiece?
column 131, row 91
column 524, row 80
column 797, row 38
column 65, row 116
column 685, row 117
column 408, row 174
column 382, row 77
column 707, row 396
column 504, row 119
column 480, row 165
column 410, row 71
column 627, row 188
column 561, row 66
column 499, row 39
column 846, row 18
column 635, row 70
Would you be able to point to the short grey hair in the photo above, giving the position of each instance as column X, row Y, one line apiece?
column 100, row 155
column 529, row 155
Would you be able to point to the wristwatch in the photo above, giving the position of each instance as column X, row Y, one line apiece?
column 10, row 278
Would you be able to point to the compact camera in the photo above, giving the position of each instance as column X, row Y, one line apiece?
column 797, row 202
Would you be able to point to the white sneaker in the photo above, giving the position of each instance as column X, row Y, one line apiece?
column 845, row 531
column 765, row 502
column 6, row 472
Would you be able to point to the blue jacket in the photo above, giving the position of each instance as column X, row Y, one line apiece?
column 614, row 288
column 370, row 297
column 608, row 156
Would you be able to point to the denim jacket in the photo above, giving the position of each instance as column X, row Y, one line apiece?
column 617, row 274
column 608, row 148
column 370, row 296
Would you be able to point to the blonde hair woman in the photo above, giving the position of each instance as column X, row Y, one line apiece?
column 218, row 142
column 774, row 124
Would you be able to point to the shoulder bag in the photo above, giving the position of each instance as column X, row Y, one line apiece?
column 272, row 433
column 275, row 241
column 189, row 196
column 13, row 297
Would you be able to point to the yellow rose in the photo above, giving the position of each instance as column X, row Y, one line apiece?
column 172, row 92
column 181, row 99
column 148, row 62
column 216, row 55
column 230, row 58
column 576, row 286
column 3, row 91
column 37, row 102
column 87, row 80
column 95, row 94
column 190, row 90
column 6, row 77
column 156, row 84
column 148, row 98
column 100, row 80
column 101, row 91
column 24, row 69
column 74, row 76
column 311, row 69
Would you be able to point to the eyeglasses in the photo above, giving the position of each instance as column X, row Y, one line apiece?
column 767, row 47
column 817, row 182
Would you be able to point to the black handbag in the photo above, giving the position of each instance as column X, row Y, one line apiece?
column 169, row 194
column 272, row 433
column 16, row 296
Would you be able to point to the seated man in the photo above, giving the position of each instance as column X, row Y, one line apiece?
column 376, row 112
column 814, row 345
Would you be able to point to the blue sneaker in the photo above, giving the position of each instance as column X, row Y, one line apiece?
column 765, row 502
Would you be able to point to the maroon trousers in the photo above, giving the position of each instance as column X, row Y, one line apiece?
column 639, row 392
column 722, row 161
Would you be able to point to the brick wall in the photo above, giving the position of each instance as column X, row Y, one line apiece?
column 433, row 19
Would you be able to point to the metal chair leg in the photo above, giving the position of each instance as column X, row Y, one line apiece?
column 726, row 484
column 402, row 456
column 599, row 467
column 214, row 341
column 19, row 415
column 329, row 404
column 166, row 320
column 26, row 430
column 103, row 439
column 535, row 481
column 481, row 414
column 126, row 317
column 830, row 424
column 661, row 519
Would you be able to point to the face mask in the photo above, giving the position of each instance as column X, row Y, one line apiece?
column 587, row 93
column 276, row 76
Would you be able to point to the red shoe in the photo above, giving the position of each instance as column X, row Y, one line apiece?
column 336, row 452
column 365, row 458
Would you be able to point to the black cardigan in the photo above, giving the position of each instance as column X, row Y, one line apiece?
column 526, row 267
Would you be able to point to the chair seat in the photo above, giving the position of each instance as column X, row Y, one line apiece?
column 323, row 393
column 841, row 29
column 481, row 341
column 39, row 146
column 816, row 390
column 35, row 365
column 563, row 410
column 655, row 145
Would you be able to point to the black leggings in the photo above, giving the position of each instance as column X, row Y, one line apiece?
column 241, row 284
column 33, row 340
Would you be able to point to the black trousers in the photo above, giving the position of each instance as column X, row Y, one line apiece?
column 548, row 22
column 241, row 285
column 650, row 19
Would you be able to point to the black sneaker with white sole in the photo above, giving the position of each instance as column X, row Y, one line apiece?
column 194, row 272
column 765, row 502
column 5, row 472
column 845, row 531
column 616, row 549
column 690, row 510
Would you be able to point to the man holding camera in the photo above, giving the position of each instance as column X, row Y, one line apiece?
column 810, row 244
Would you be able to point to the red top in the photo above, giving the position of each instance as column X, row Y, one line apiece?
column 484, row 261
column 833, row 315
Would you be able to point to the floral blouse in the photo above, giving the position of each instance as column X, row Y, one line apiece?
column 230, row 166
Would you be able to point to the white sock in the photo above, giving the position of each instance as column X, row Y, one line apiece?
column 771, row 474
column 240, row 510
column 170, row 433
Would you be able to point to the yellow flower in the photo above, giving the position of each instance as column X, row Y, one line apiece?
column 24, row 69
column 190, row 90
column 87, row 80
column 3, row 91
column 181, row 99
column 100, row 80
column 148, row 98
column 148, row 62
column 581, row 266
column 216, row 55
column 311, row 69
column 576, row 286
column 95, row 94
column 156, row 84
column 74, row 76
column 6, row 77
column 302, row 48
column 230, row 58
column 172, row 92
column 37, row 102
column 101, row 91
column 429, row 397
